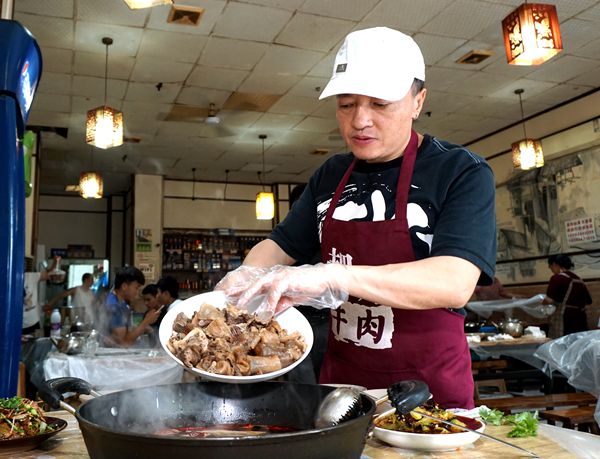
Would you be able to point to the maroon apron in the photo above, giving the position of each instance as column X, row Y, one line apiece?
column 373, row 345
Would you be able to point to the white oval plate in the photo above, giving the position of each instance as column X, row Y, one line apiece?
column 290, row 320
column 426, row 442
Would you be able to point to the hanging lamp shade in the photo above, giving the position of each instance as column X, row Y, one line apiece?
column 265, row 206
column 104, row 127
column 527, row 154
column 104, row 124
column 531, row 34
column 90, row 185
column 265, row 200
column 138, row 4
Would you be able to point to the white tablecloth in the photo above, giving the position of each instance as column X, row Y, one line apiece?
column 115, row 369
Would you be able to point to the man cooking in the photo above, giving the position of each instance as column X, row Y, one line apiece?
column 405, row 224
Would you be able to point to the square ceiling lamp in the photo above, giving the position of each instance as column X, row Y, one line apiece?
column 265, row 201
column 104, row 124
column 526, row 153
column 531, row 34
column 139, row 4
column 90, row 185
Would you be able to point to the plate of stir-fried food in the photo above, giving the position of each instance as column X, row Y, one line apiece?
column 221, row 343
column 24, row 425
column 414, row 431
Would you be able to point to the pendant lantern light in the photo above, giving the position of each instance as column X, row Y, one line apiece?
column 531, row 34
column 265, row 201
column 104, row 124
column 90, row 183
column 138, row 4
column 526, row 153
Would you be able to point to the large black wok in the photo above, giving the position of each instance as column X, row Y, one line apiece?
column 123, row 424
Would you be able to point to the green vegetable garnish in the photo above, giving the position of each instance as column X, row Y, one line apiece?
column 525, row 423
column 491, row 416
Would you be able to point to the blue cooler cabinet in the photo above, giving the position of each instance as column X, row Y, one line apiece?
column 20, row 70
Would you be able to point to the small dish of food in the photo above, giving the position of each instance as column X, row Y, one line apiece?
column 221, row 343
column 413, row 431
column 24, row 425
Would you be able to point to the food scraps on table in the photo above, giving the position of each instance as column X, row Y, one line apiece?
column 21, row 417
column 414, row 422
column 232, row 342
column 525, row 423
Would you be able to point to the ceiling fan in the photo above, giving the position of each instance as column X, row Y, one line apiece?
column 213, row 126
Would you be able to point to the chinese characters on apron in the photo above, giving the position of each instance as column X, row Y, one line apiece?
column 374, row 345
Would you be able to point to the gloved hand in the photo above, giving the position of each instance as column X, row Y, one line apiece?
column 239, row 280
column 281, row 287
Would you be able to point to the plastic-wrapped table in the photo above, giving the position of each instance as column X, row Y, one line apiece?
column 116, row 369
column 577, row 356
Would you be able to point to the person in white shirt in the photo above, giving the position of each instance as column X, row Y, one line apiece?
column 81, row 296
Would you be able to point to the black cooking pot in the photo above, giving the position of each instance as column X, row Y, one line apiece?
column 124, row 424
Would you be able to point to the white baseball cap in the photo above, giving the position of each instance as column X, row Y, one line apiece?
column 377, row 62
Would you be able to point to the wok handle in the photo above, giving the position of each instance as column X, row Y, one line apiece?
column 52, row 390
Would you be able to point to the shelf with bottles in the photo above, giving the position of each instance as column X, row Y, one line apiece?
column 199, row 259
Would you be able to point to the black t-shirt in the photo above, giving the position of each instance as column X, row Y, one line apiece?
column 451, row 204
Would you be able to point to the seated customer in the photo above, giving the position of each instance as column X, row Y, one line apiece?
column 152, row 302
column 168, row 292
column 118, row 328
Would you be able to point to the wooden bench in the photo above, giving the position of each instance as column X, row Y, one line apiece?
column 537, row 402
column 580, row 418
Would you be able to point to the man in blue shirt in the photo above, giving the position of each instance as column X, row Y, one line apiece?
column 118, row 329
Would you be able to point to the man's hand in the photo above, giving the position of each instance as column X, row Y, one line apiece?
column 151, row 316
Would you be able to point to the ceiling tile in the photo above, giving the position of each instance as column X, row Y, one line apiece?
column 309, row 87
column 435, row 47
column 149, row 92
column 52, row 102
column 230, row 53
column 466, row 18
column 314, row 124
column 202, row 97
column 480, row 84
column 275, row 121
column 251, row 22
column 88, row 37
column 324, row 68
column 94, row 87
column 295, row 105
column 216, row 78
column 440, row 78
column 405, row 16
column 60, row 8
column 55, row 83
column 577, row 33
column 171, row 46
column 268, row 83
column 57, row 60
column 314, row 32
column 530, row 88
column 48, row 31
column 591, row 50
column 353, row 10
column 559, row 93
column 281, row 60
column 110, row 12
column 591, row 78
column 283, row 4
column 212, row 10
column 94, row 64
column 563, row 68
column 151, row 71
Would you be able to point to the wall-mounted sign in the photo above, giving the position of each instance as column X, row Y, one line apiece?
column 143, row 240
column 580, row 230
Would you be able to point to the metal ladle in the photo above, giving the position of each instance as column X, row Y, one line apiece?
column 343, row 404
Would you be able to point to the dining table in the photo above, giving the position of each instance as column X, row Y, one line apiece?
column 551, row 441
column 522, row 348
column 111, row 369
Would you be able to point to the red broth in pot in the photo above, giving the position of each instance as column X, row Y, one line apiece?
column 223, row 430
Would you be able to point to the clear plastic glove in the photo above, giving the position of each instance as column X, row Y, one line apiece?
column 239, row 280
column 281, row 287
